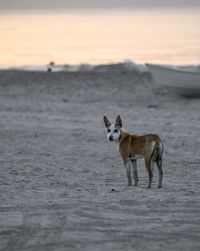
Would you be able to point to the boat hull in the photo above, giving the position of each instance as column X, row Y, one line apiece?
column 182, row 82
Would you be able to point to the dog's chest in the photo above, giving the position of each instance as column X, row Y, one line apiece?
column 118, row 148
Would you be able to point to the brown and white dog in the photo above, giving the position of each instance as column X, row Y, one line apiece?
column 133, row 147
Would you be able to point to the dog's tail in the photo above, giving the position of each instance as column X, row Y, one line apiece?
column 157, row 151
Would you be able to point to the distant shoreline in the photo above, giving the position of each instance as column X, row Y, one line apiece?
column 126, row 65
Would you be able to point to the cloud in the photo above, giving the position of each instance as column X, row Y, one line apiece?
column 96, row 3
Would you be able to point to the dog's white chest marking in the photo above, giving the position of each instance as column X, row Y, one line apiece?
column 117, row 146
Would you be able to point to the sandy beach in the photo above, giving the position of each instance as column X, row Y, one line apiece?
column 64, row 187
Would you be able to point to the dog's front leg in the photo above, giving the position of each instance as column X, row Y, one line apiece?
column 135, row 172
column 128, row 171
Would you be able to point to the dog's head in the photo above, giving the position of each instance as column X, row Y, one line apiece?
column 113, row 130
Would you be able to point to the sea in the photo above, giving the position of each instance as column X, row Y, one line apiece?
column 34, row 39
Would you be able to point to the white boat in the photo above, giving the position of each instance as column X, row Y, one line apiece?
column 181, row 81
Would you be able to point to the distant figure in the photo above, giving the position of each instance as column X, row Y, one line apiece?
column 50, row 65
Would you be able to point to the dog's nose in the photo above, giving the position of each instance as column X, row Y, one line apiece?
column 111, row 138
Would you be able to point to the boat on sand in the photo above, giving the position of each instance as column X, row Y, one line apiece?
column 182, row 81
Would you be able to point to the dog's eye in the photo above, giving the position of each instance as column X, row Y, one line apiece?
column 115, row 130
column 108, row 130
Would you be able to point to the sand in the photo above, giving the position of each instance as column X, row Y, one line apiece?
column 64, row 187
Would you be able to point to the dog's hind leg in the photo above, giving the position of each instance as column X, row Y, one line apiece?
column 128, row 171
column 135, row 172
column 159, row 165
column 148, row 164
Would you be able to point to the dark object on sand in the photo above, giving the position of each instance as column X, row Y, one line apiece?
column 50, row 65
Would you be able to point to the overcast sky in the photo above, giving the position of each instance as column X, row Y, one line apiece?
column 13, row 4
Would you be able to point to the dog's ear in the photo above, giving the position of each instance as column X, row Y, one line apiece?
column 118, row 121
column 106, row 122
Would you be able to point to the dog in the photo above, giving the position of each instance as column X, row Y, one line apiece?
column 133, row 147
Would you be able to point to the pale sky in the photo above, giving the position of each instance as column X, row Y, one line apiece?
column 46, row 4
